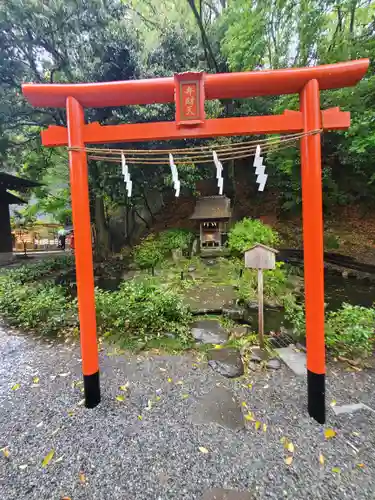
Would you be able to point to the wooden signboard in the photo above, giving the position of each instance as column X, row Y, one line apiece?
column 189, row 98
column 260, row 257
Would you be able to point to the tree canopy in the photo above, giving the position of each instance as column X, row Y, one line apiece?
column 102, row 40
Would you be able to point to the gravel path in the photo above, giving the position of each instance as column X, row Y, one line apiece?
column 122, row 450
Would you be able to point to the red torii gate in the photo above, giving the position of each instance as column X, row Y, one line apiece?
column 190, row 122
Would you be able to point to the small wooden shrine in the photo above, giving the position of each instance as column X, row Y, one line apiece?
column 213, row 214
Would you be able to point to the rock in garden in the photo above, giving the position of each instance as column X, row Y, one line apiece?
column 191, row 269
column 258, row 355
column 209, row 331
column 211, row 262
column 227, row 362
column 239, row 331
column 274, row 364
column 219, row 406
column 234, row 312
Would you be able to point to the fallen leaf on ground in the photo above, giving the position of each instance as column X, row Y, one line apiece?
column 15, row 387
column 288, row 460
column 202, row 449
column 48, row 458
column 333, row 403
column 140, row 417
column 82, row 477
column 250, row 386
column 70, row 413
column 39, row 425
column 58, row 460
column 360, row 465
column 157, row 398
column 266, row 386
column 64, row 374
column 36, row 380
column 180, row 382
column 244, row 404
column 120, row 398
column 169, row 380
column 163, row 369
column 66, row 498
column 329, row 433
column 23, row 467
column 249, row 416
column 184, row 396
column 290, row 447
column 283, row 440
column 264, row 427
column 321, row 459
column 149, row 405
column 336, row 469
column 80, row 403
column 356, row 433
column 257, row 425
column 124, row 387
column 55, row 431
column 218, row 346
column 5, row 451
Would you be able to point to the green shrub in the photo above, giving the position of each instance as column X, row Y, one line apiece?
column 331, row 242
column 40, row 269
column 295, row 314
column 350, row 331
column 44, row 308
column 248, row 232
column 148, row 254
column 141, row 310
column 175, row 238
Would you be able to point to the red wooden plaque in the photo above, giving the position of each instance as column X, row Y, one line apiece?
column 189, row 98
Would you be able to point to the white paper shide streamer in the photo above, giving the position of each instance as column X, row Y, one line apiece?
column 260, row 170
column 219, row 172
column 176, row 182
column 126, row 174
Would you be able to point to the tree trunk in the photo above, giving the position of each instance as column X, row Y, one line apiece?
column 103, row 237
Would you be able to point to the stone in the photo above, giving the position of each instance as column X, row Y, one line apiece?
column 258, row 355
column 339, row 410
column 234, row 312
column 209, row 331
column 239, row 331
column 254, row 366
column 221, row 494
column 176, row 254
column 210, row 262
column 170, row 335
column 274, row 364
column 296, row 361
column 301, row 347
column 195, row 247
column 191, row 269
column 219, row 406
column 227, row 362
column 345, row 274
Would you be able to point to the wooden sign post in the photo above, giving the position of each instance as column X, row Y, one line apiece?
column 260, row 257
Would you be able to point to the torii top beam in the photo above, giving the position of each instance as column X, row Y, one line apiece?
column 218, row 86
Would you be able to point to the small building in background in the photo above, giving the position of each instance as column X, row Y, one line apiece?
column 13, row 183
column 213, row 214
